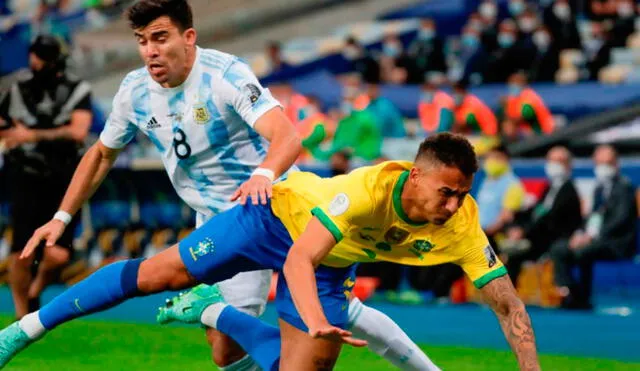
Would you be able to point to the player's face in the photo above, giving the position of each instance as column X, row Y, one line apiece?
column 441, row 190
column 165, row 51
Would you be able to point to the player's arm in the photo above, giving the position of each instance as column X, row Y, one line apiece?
column 261, row 111
column 514, row 320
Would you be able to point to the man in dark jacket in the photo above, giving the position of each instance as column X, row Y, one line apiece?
column 609, row 233
column 555, row 216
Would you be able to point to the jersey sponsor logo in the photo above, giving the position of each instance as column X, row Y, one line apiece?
column 201, row 114
column 204, row 248
column 252, row 92
column 396, row 235
column 152, row 123
column 421, row 247
column 490, row 255
column 339, row 204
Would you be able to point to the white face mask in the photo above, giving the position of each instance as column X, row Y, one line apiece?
column 625, row 10
column 562, row 11
column 488, row 10
column 555, row 171
column 541, row 39
column 527, row 25
column 604, row 173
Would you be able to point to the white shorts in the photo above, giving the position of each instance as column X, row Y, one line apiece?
column 246, row 291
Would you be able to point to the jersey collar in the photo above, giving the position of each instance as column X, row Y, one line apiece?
column 397, row 200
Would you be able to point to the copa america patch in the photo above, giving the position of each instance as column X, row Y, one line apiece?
column 490, row 255
column 252, row 92
column 339, row 204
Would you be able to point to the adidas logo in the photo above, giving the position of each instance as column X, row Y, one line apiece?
column 153, row 123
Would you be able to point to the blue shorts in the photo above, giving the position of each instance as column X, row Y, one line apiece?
column 250, row 237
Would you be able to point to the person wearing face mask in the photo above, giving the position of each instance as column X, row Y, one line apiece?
column 609, row 232
column 358, row 59
column 500, row 194
column 49, row 116
column 426, row 53
column 546, row 61
column 394, row 63
column 561, row 20
column 435, row 108
column 517, row 7
column 624, row 24
column 525, row 107
column 472, row 115
column 316, row 129
column 556, row 215
column 508, row 56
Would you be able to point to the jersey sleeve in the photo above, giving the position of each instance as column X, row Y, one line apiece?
column 348, row 207
column 118, row 130
column 479, row 262
column 245, row 94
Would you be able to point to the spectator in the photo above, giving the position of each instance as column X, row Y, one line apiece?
column 471, row 114
column 525, row 107
column 556, row 215
column 472, row 58
column 50, row 115
column 517, row 7
column 603, row 9
column 509, row 132
column 500, row 195
column 435, row 108
column 315, row 128
column 275, row 60
column 598, row 50
column 506, row 58
column 561, row 20
column 426, row 53
column 393, row 61
column 624, row 24
column 357, row 132
column 360, row 60
column 389, row 118
column 488, row 11
column 609, row 232
column 292, row 101
column 546, row 61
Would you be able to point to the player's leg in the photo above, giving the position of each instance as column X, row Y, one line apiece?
column 301, row 352
column 247, row 292
column 386, row 338
column 54, row 258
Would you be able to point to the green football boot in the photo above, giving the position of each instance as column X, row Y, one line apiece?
column 188, row 306
column 12, row 341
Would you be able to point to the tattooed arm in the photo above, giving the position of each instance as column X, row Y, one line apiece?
column 516, row 325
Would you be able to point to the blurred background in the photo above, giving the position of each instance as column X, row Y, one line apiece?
column 366, row 81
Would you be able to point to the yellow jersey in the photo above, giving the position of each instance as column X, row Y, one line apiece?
column 363, row 211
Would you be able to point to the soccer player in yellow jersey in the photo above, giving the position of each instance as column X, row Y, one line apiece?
column 313, row 230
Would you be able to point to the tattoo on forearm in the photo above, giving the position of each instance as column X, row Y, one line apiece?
column 514, row 320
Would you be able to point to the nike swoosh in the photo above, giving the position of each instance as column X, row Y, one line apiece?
column 185, row 309
column 77, row 303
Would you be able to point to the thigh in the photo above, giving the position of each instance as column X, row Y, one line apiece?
column 334, row 290
column 248, row 291
column 301, row 352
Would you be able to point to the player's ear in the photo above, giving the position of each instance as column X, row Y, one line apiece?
column 190, row 36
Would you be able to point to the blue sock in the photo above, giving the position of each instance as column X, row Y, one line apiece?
column 105, row 288
column 260, row 340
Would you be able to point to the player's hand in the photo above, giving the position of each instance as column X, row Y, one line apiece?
column 49, row 232
column 17, row 136
column 256, row 186
column 336, row 334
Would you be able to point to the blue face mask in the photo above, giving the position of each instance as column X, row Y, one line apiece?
column 426, row 97
column 391, row 50
column 516, row 8
column 505, row 40
column 426, row 34
column 469, row 41
column 514, row 90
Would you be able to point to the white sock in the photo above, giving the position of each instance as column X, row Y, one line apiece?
column 386, row 338
column 32, row 326
column 246, row 363
column 211, row 313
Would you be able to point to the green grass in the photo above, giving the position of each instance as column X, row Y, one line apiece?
column 101, row 346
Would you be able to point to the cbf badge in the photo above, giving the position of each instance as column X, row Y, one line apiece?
column 201, row 114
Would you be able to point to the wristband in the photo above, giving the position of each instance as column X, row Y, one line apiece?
column 264, row 172
column 63, row 216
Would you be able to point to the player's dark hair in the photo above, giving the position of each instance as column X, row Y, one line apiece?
column 143, row 12
column 451, row 150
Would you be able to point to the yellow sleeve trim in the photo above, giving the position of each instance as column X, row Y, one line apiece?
column 482, row 281
column 327, row 222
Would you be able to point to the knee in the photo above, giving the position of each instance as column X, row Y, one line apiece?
column 17, row 265
column 224, row 350
column 151, row 278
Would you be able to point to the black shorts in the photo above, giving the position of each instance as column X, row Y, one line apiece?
column 34, row 201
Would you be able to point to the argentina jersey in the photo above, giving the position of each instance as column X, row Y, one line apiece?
column 203, row 128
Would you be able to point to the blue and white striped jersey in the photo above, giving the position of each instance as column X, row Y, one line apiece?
column 203, row 128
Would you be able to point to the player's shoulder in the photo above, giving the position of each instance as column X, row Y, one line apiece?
column 216, row 62
column 467, row 214
column 134, row 78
